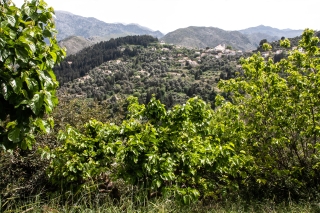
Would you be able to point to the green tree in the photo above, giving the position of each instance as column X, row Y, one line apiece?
column 279, row 105
column 27, row 81
column 262, row 42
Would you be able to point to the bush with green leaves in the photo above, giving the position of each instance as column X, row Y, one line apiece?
column 26, row 169
column 27, row 82
column 157, row 150
column 279, row 104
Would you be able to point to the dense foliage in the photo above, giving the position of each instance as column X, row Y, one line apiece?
column 173, row 74
column 25, row 170
column 256, row 137
column 279, row 103
column 263, row 143
column 75, row 66
column 27, row 81
column 157, row 150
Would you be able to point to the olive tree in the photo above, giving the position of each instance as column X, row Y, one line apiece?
column 28, row 52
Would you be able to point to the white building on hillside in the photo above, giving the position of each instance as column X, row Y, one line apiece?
column 220, row 48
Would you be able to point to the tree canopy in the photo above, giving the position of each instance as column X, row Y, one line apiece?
column 28, row 52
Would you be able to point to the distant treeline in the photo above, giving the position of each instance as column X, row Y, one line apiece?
column 75, row 66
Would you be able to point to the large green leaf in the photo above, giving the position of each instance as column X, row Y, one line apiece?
column 28, row 10
column 32, row 84
column 16, row 84
column 12, row 34
column 2, row 42
column 11, row 20
column 14, row 135
column 36, row 103
column 48, row 101
column 4, row 53
column 4, row 91
column 47, row 33
column 54, row 56
column 44, row 126
column 22, row 53
column 32, row 47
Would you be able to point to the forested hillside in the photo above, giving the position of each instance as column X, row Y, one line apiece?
column 173, row 74
column 78, row 65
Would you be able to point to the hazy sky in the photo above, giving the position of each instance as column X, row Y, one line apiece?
column 169, row 15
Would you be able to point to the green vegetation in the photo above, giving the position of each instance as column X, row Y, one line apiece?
column 27, row 81
column 253, row 146
column 279, row 105
column 161, row 205
column 154, row 149
column 263, row 140
column 173, row 74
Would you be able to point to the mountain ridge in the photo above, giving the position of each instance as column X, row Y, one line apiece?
column 246, row 39
column 77, row 32
column 69, row 24
column 289, row 33
column 201, row 37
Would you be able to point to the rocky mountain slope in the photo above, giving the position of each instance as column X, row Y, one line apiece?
column 69, row 24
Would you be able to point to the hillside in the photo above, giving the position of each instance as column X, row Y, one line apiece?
column 74, row 44
column 201, row 37
column 75, row 66
column 69, row 24
column 110, row 71
column 173, row 74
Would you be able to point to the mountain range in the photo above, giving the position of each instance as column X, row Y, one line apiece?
column 69, row 24
column 288, row 33
column 256, row 34
column 246, row 39
column 76, row 32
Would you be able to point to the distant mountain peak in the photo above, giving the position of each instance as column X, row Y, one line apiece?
column 69, row 24
column 201, row 37
column 270, row 31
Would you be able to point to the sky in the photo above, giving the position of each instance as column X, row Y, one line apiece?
column 169, row 15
